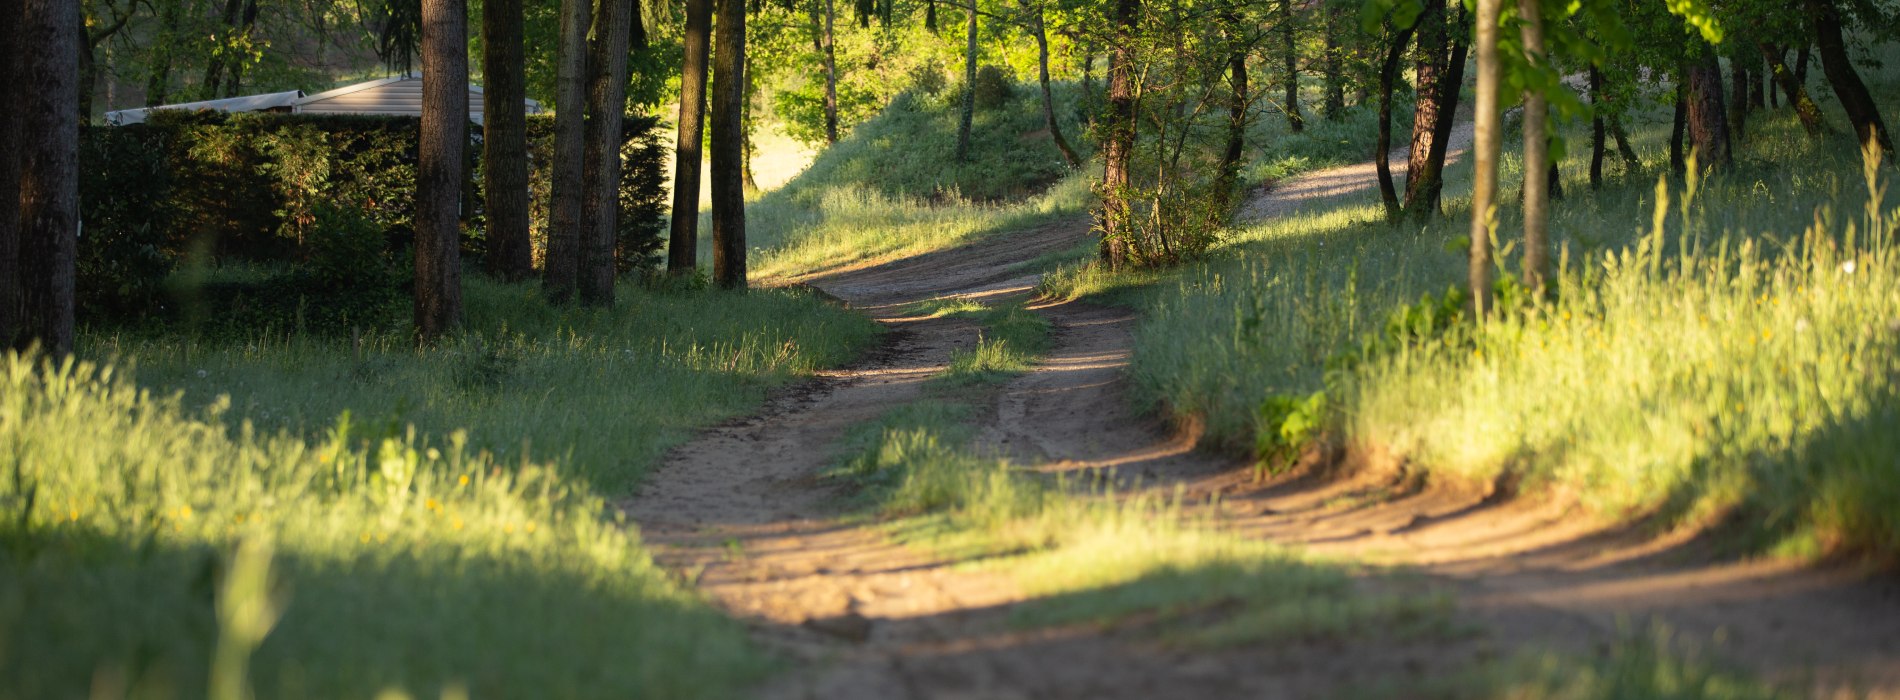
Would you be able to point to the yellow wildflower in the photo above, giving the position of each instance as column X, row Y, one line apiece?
column 464, row 480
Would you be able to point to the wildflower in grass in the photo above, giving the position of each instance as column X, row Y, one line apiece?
column 1848, row 267
column 464, row 480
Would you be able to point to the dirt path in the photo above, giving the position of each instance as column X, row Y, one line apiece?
column 739, row 512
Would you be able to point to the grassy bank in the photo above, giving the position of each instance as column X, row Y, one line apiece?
column 1713, row 346
column 323, row 519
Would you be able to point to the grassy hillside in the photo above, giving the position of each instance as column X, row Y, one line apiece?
column 1717, row 345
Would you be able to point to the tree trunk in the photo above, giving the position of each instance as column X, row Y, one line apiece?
column 930, row 16
column 1290, row 50
column 1118, row 141
column 1775, row 57
column 1597, row 132
column 1679, row 125
column 48, row 101
column 1631, row 164
column 1738, row 107
column 1236, row 113
column 439, row 167
column 1424, row 182
column 165, row 48
column 682, row 248
column 12, row 47
column 1536, row 154
column 969, row 90
column 1381, row 157
column 746, row 126
column 1431, row 62
column 1335, row 78
column 1869, row 127
column 606, row 111
column 728, row 145
column 505, row 142
column 249, row 24
column 1797, row 93
column 1758, row 87
column 1801, row 65
column 563, row 262
column 831, row 76
column 214, row 68
column 1708, row 125
column 1487, row 142
column 1048, row 96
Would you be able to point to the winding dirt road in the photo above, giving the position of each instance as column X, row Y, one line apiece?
column 740, row 513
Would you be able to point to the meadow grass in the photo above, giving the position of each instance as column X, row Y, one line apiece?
column 424, row 521
column 1730, row 347
column 1656, row 664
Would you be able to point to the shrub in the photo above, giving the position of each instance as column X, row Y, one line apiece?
column 993, row 88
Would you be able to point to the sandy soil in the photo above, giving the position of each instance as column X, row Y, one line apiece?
column 739, row 512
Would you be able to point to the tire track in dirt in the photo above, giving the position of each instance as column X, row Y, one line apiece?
column 739, row 512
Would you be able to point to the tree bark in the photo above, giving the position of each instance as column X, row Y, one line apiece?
column 1291, row 56
column 1425, row 182
column 728, row 145
column 505, row 142
column 1597, row 131
column 1487, row 142
column 12, row 44
column 930, row 16
column 1427, row 69
column 606, row 112
column 1334, row 77
column 214, row 68
column 1797, row 93
column 831, row 76
column 1118, row 141
column 1048, row 96
column 439, row 167
column 682, row 249
column 1236, row 114
column 236, row 83
column 1707, row 118
column 1738, row 107
column 159, row 75
column 1381, row 158
column 746, row 126
column 1537, row 189
column 1869, row 127
column 565, row 221
column 1631, row 164
column 48, row 105
column 968, row 113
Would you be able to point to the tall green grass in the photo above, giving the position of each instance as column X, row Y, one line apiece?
column 436, row 520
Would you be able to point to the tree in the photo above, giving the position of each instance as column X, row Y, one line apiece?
column 1032, row 9
column 505, row 141
column 1441, row 75
column 828, row 46
column 562, row 267
column 1388, row 74
column 439, row 167
column 1238, row 100
column 728, row 145
column 606, row 111
column 12, row 41
column 1707, row 119
column 1796, row 90
column 1536, row 152
column 48, row 92
column 682, row 250
column 1487, row 140
column 1862, row 112
column 1118, row 138
column 1290, row 54
column 968, row 113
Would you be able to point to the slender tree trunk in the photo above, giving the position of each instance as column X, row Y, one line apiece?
column 1631, row 164
column 1048, row 96
column 1869, row 127
column 1775, row 57
column 1537, row 190
column 565, row 219
column 1427, row 69
column 968, row 114
column 214, row 68
column 1381, row 158
column 439, row 167
column 1088, row 82
column 1118, row 142
column 158, row 79
column 606, row 112
column 1801, row 65
column 746, row 126
column 930, row 16
column 505, row 142
column 12, row 48
column 682, row 249
column 1679, row 125
column 1797, row 93
column 1757, row 82
column 1738, row 107
column 1334, row 76
column 248, row 25
column 1425, row 182
column 1487, row 142
column 728, row 145
column 1236, row 113
column 1290, row 50
column 1597, row 131
column 1708, row 125
column 50, row 37
column 831, row 76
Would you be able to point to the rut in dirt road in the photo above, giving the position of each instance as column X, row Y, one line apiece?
column 741, row 513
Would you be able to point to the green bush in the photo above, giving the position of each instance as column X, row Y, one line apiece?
column 122, row 256
column 994, row 89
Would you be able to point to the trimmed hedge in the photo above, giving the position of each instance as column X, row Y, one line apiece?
column 324, row 201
